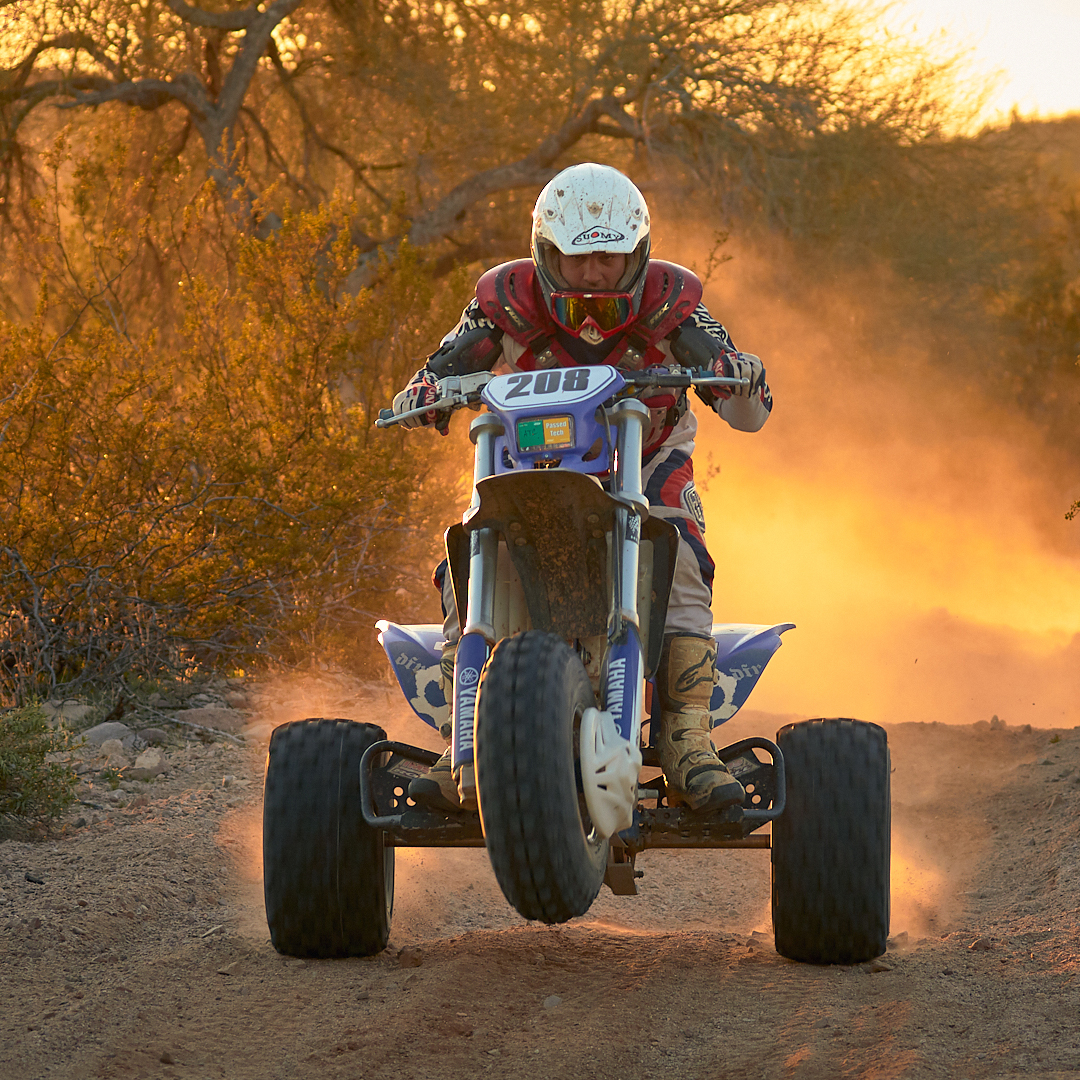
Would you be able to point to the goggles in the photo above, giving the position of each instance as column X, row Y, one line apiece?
column 606, row 311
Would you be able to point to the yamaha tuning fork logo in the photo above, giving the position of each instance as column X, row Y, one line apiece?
column 596, row 235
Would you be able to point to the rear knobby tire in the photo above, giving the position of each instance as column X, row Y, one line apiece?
column 831, row 845
column 328, row 878
column 546, row 856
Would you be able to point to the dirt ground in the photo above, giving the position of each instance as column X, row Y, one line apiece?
column 133, row 943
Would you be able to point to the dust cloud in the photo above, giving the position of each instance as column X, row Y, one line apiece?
column 912, row 529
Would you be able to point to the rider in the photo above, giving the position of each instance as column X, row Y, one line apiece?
column 591, row 295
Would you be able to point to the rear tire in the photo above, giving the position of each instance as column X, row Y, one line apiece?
column 328, row 879
column 831, row 845
column 547, row 858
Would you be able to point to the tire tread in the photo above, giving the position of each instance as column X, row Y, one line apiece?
column 324, row 870
column 544, row 863
column 831, row 846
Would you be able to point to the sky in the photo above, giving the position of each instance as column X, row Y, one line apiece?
column 1035, row 43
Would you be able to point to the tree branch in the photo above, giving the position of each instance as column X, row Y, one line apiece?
column 214, row 119
column 533, row 169
column 358, row 168
column 150, row 94
column 273, row 154
column 611, row 131
column 223, row 20
column 256, row 40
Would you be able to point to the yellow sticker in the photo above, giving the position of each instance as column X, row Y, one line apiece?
column 557, row 431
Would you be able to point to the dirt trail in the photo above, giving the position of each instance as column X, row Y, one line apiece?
column 142, row 951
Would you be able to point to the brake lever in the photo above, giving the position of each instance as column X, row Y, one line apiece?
column 388, row 418
column 457, row 392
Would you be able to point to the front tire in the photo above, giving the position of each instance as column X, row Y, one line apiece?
column 328, row 878
column 547, row 858
column 831, row 845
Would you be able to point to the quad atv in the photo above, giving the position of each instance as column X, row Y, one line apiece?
column 563, row 579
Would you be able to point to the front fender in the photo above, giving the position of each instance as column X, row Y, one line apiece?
column 555, row 523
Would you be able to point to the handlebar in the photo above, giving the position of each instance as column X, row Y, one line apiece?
column 682, row 379
column 459, row 391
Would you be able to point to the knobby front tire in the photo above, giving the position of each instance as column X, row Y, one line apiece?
column 546, row 856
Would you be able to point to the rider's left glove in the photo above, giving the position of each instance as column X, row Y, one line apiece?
column 738, row 365
column 423, row 389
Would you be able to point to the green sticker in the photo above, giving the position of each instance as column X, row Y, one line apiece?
column 530, row 434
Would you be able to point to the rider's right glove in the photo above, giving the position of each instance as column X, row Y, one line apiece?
column 423, row 389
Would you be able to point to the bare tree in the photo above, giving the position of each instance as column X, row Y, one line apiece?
column 212, row 103
column 459, row 104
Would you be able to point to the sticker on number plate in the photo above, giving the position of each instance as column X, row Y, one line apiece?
column 545, row 433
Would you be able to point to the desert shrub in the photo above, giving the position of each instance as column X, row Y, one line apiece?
column 215, row 492
column 31, row 786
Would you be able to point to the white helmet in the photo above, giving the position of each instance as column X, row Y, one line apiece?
column 588, row 208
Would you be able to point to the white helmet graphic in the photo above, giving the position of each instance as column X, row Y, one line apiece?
column 588, row 208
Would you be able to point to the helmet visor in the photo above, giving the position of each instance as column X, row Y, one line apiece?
column 608, row 312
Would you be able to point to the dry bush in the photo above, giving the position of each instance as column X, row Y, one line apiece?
column 215, row 492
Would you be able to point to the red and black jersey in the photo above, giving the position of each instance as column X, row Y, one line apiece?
column 508, row 296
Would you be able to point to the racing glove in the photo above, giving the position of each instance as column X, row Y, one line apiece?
column 422, row 389
column 745, row 408
column 739, row 365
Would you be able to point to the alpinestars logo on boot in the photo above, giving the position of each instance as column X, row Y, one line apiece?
column 696, row 674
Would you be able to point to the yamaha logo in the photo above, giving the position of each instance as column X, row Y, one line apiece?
column 469, row 677
column 597, row 235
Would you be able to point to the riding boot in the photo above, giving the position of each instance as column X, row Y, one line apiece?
column 694, row 774
column 438, row 790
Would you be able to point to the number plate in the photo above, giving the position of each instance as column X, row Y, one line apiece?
column 545, row 433
column 559, row 386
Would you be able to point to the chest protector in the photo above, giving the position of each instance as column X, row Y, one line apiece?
column 509, row 296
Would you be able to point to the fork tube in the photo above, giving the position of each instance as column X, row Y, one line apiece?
column 630, row 416
column 622, row 683
column 483, row 543
column 625, row 572
column 483, row 431
column 478, row 631
column 480, row 605
column 622, row 679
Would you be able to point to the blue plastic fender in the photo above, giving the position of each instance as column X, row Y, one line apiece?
column 414, row 653
column 742, row 651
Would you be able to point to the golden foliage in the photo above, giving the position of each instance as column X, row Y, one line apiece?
column 215, row 490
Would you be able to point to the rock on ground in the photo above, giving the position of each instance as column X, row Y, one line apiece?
column 113, row 729
column 211, row 717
